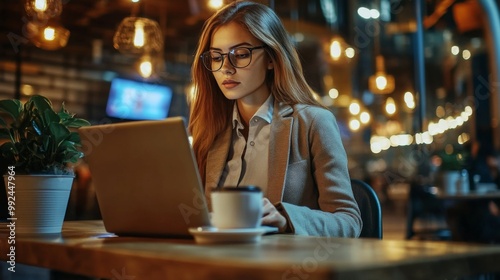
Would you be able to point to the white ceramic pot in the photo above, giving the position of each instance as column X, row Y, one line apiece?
column 40, row 202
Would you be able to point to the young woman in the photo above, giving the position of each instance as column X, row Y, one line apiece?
column 254, row 121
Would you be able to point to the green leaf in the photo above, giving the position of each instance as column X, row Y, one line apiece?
column 38, row 105
column 69, row 152
column 74, row 137
column 40, row 138
column 76, row 123
column 59, row 131
column 50, row 116
column 41, row 103
column 11, row 106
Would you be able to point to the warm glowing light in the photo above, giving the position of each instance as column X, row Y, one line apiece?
column 333, row 93
column 215, row 4
column 139, row 34
column 49, row 33
column 42, row 10
column 463, row 138
column 335, row 50
column 354, row 108
column 339, row 49
column 409, row 100
column 401, row 140
column 354, row 125
column 440, row 111
column 390, row 106
column 466, row 54
column 146, row 68
column 350, row 52
column 381, row 143
column 364, row 117
column 455, row 50
column 51, row 37
column 135, row 1
column 381, row 82
column 41, row 5
column 27, row 90
column 408, row 97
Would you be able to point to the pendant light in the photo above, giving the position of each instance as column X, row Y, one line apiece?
column 381, row 82
column 138, row 35
column 51, row 37
column 43, row 9
column 44, row 29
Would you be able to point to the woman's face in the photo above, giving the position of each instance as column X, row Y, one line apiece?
column 246, row 84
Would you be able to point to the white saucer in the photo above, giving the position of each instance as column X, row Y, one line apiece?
column 212, row 235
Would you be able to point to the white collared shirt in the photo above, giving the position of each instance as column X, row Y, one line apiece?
column 248, row 160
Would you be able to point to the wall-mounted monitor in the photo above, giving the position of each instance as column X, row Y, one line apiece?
column 134, row 100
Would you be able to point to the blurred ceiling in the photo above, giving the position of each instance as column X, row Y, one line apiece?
column 180, row 20
column 98, row 19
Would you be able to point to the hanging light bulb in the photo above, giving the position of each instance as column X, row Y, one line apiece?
column 137, row 35
column 43, row 9
column 381, row 82
column 390, row 106
column 146, row 67
column 49, row 33
column 49, row 37
column 40, row 5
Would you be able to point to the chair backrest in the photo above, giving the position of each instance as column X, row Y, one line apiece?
column 369, row 205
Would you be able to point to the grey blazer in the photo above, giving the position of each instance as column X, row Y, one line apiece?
column 308, row 179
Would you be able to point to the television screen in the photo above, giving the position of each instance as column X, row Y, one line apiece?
column 134, row 100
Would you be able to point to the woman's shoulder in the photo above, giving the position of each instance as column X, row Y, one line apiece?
column 311, row 111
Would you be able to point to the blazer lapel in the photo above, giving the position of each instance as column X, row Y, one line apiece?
column 279, row 150
column 216, row 159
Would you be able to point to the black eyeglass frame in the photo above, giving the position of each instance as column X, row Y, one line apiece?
column 223, row 55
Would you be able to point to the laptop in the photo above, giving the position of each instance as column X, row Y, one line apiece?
column 145, row 177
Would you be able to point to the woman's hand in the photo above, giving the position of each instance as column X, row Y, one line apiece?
column 272, row 217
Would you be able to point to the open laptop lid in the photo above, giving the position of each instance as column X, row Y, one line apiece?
column 145, row 176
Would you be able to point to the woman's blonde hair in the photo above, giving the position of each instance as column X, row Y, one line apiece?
column 211, row 111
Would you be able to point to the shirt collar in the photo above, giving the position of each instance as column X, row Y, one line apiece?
column 264, row 112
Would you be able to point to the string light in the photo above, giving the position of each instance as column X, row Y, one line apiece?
column 381, row 143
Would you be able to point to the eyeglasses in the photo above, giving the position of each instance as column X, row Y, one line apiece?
column 239, row 57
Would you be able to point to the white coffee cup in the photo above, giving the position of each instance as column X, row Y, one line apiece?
column 236, row 207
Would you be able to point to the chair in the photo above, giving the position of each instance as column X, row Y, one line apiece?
column 369, row 205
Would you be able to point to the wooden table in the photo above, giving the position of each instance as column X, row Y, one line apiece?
column 470, row 195
column 85, row 248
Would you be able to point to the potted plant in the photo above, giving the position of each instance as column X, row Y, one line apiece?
column 38, row 149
